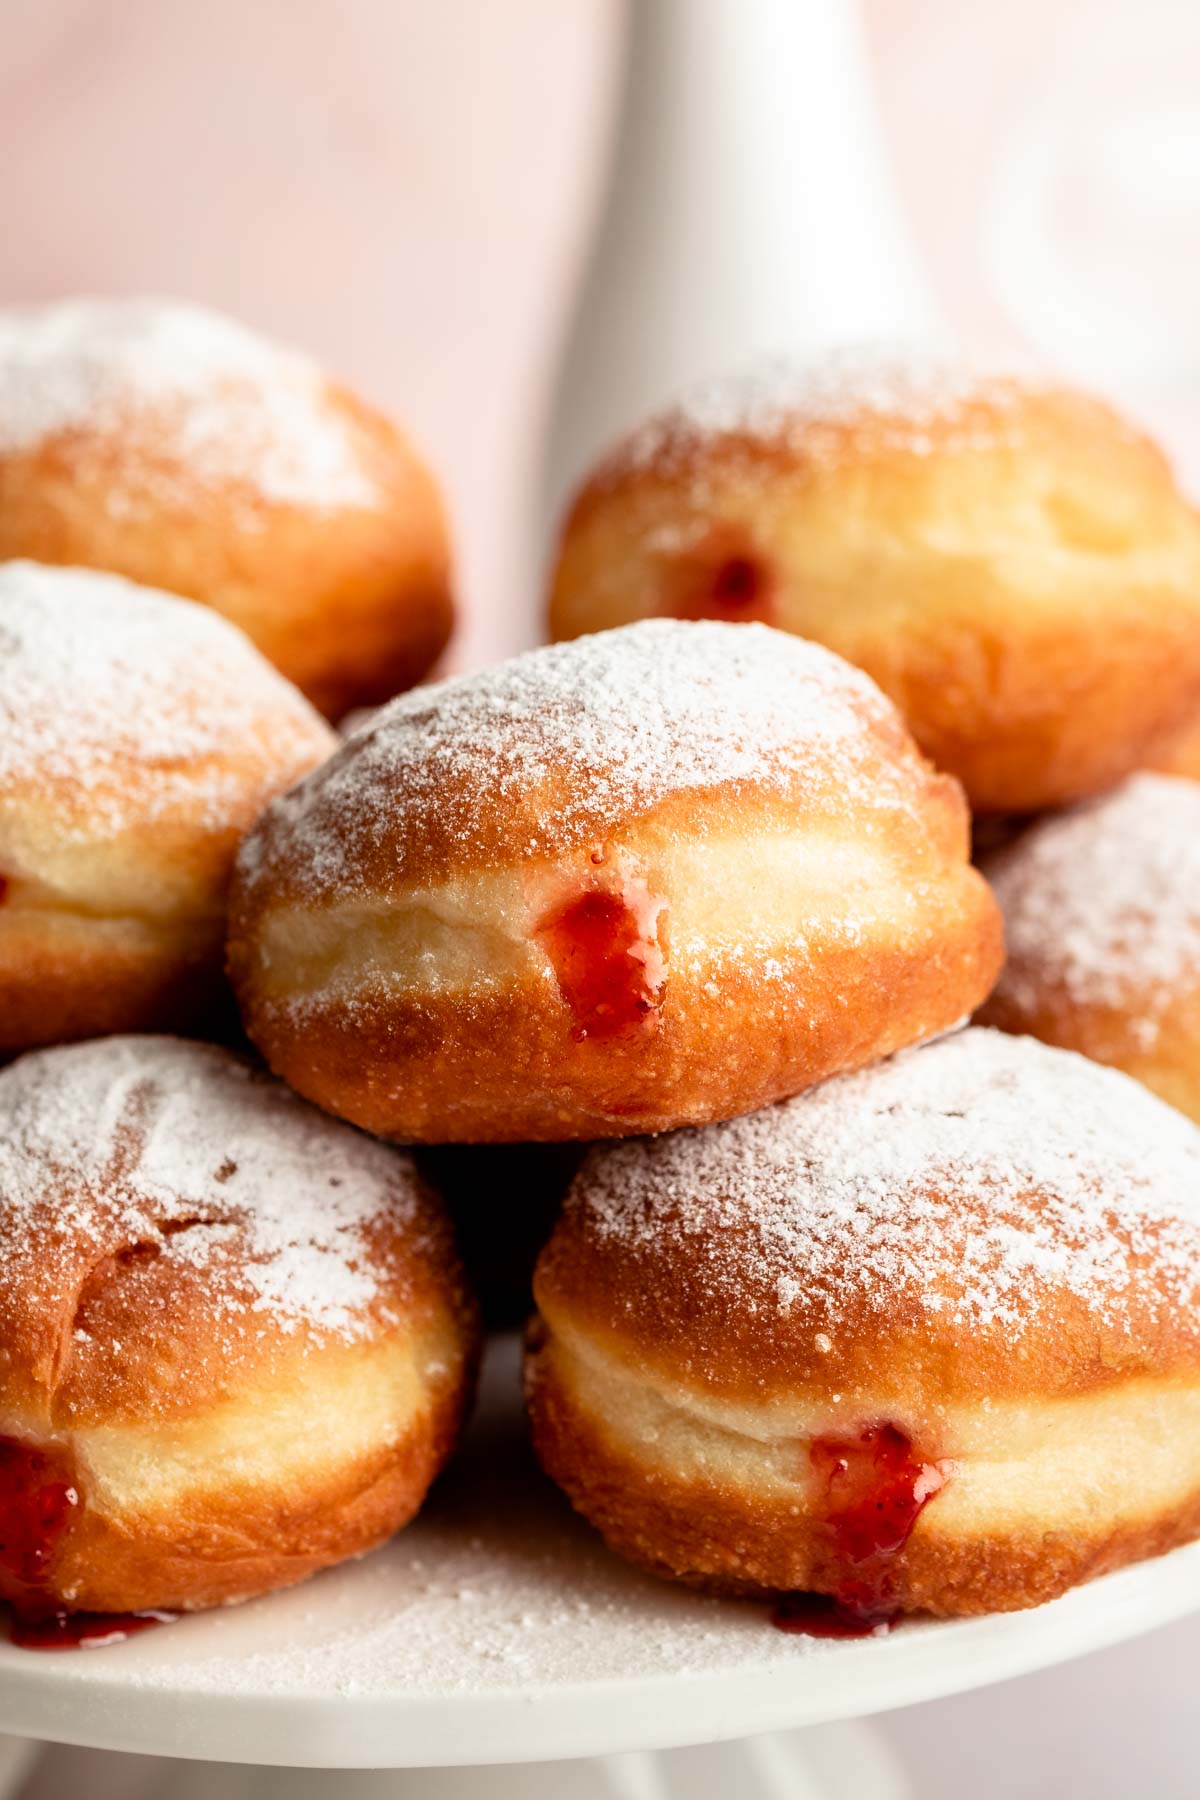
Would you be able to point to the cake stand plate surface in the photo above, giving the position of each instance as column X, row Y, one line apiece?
column 498, row 1629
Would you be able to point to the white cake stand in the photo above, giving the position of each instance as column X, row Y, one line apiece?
column 498, row 1630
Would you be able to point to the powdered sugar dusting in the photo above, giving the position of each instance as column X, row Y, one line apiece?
column 217, row 404
column 624, row 718
column 126, row 700
column 152, row 1141
column 1104, row 901
column 905, row 390
column 980, row 1177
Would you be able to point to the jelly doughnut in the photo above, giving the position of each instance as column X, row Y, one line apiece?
column 1102, row 908
column 1011, row 562
column 924, row 1339
column 172, row 445
column 140, row 736
column 236, row 1343
column 661, row 875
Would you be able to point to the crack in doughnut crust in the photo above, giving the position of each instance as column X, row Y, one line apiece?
column 1011, row 561
column 662, row 875
column 173, row 446
column 239, row 1325
column 140, row 736
column 987, row 1244
column 1102, row 908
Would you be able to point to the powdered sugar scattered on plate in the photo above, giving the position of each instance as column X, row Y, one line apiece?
column 125, row 702
column 906, row 391
column 623, row 718
column 177, row 398
column 977, row 1177
column 180, row 1146
column 1104, row 901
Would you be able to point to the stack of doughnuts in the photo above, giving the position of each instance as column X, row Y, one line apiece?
column 648, row 954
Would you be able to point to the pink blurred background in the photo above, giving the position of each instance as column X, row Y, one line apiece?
column 409, row 190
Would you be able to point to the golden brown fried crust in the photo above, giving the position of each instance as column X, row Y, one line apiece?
column 657, row 1309
column 248, row 1540
column 67, row 978
column 190, row 1337
column 352, row 603
column 717, row 1538
column 473, row 830
column 1025, row 584
column 1180, row 754
column 506, row 1067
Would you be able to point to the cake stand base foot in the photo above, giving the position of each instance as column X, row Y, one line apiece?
column 848, row 1761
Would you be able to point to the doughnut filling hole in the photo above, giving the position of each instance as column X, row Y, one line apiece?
column 608, row 960
column 725, row 575
column 876, row 1487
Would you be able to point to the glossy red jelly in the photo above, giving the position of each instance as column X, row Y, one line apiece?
column 738, row 585
column 821, row 1616
column 37, row 1499
column 606, row 957
column 3, row 889
column 722, row 581
column 876, row 1487
column 60, row 1630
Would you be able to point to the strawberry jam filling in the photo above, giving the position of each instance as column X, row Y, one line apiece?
column 721, row 579
column 604, row 949
column 876, row 1487
column 39, row 1498
column 61, row 1630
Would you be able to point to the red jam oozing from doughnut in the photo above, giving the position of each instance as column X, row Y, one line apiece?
column 38, row 1498
column 737, row 585
column 60, row 1630
column 876, row 1487
column 722, row 578
column 3, row 889
column 603, row 946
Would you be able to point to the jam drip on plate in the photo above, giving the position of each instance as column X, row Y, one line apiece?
column 876, row 1487
column 59, row 1630
column 608, row 962
column 39, row 1497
